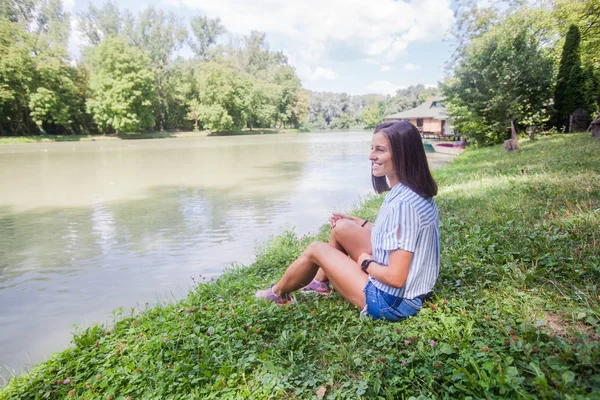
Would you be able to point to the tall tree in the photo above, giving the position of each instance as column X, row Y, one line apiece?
column 99, row 23
column 570, row 82
column 585, row 14
column 204, row 35
column 159, row 35
column 17, row 71
column 123, row 88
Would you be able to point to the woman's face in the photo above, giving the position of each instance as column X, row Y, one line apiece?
column 381, row 157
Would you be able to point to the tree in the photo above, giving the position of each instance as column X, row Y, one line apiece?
column 371, row 115
column 505, row 75
column 264, row 110
column 54, row 99
column 584, row 14
column 570, row 82
column 97, row 24
column 17, row 71
column 224, row 98
column 179, row 90
column 289, row 114
column 592, row 89
column 159, row 35
column 122, row 87
column 205, row 32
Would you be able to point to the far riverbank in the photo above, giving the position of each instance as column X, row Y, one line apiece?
column 137, row 136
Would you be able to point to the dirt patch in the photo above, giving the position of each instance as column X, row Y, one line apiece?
column 563, row 328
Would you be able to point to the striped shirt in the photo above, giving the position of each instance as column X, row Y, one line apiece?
column 407, row 221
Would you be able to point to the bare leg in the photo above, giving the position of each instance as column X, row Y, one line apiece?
column 344, row 273
column 349, row 238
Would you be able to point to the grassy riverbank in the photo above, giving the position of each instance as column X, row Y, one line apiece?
column 134, row 136
column 515, row 313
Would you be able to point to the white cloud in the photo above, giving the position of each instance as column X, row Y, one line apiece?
column 383, row 87
column 411, row 67
column 385, row 68
column 318, row 31
column 68, row 5
column 323, row 73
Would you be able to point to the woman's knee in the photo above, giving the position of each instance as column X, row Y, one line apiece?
column 313, row 250
column 342, row 227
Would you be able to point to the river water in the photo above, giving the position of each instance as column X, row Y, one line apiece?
column 87, row 227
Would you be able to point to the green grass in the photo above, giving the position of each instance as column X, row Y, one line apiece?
column 515, row 313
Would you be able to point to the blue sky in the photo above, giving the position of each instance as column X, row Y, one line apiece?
column 357, row 47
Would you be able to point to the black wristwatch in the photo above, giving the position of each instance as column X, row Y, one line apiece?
column 365, row 264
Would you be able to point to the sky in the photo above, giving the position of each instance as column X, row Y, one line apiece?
column 351, row 46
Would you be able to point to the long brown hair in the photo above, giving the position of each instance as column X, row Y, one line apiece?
column 408, row 157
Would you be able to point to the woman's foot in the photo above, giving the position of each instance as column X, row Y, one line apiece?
column 269, row 295
column 317, row 287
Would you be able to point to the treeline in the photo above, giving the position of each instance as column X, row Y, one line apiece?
column 328, row 110
column 131, row 78
column 534, row 63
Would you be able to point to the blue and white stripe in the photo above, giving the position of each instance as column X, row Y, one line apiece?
column 407, row 221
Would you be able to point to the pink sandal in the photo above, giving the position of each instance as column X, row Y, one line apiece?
column 269, row 295
column 317, row 287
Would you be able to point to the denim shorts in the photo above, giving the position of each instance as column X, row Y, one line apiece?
column 382, row 305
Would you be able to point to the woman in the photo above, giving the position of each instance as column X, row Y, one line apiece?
column 402, row 267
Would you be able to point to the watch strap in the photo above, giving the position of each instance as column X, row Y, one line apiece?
column 365, row 264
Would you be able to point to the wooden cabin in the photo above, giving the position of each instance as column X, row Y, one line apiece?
column 430, row 118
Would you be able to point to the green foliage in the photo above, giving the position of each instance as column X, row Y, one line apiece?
column 546, row 21
column 179, row 89
column 515, row 314
column 224, row 97
column 592, row 89
column 291, row 107
column 38, row 87
column 17, row 72
column 122, row 87
column 570, row 82
column 55, row 98
column 264, row 110
column 36, row 83
column 504, row 75
column 583, row 15
column 371, row 116
column 205, row 32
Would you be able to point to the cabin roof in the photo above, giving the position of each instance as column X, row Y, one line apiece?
column 432, row 108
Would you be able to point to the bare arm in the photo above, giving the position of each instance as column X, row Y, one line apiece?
column 395, row 273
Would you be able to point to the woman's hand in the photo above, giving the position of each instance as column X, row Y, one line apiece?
column 335, row 217
column 363, row 257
